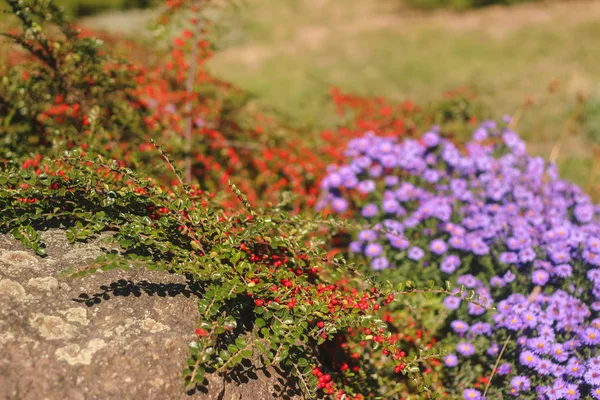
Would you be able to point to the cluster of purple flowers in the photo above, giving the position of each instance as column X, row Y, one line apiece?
column 499, row 222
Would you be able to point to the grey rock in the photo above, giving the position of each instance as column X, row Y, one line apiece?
column 113, row 335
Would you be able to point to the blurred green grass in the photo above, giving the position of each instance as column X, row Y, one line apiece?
column 290, row 52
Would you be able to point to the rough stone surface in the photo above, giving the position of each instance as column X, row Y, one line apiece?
column 111, row 335
column 47, row 284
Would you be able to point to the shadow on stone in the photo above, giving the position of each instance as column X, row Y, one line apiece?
column 126, row 288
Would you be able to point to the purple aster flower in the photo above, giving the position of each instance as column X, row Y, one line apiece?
column 570, row 392
column 460, row 327
column 472, row 394
column 590, row 336
column 415, row 253
column 520, row 383
column 559, row 353
column 469, row 281
column 508, row 257
column 584, row 212
column 591, row 258
column 481, row 328
column 593, row 244
column 339, row 205
column 527, row 255
column 391, row 180
column 366, row 186
column 438, row 246
column 528, row 358
column 369, row 211
column 431, row 139
column 592, row 377
column 334, row 180
column 373, row 250
column 493, row 350
column 540, row 277
column 367, row 235
column 466, row 349
column 545, row 367
column 356, row 246
column 451, row 360
column 496, row 281
column 380, row 263
column 390, row 206
column 504, row 369
column 575, row 368
column 480, row 135
column 452, row 302
column 562, row 270
column 431, row 176
column 559, row 257
column 509, row 277
column 450, row 264
column 398, row 242
column 375, row 171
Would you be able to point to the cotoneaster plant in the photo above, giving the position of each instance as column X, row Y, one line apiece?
column 269, row 289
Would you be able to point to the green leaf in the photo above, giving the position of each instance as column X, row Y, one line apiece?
column 302, row 362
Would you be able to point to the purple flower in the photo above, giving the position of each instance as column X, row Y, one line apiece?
column 520, row 383
column 380, row 263
column 391, row 180
column 527, row 255
column 481, row 328
column 504, row 369
column 398, row 242
column 451, row 360
column 373, row 250
column 438, row 246
column 472, row 394
column 356, row 247
column 415, row 253
column 584, row 212
column 562, row 270
column 450, row 264
column 493, row 350
column 390, row 206
column 369, row 211
column 528, row 358
column 339, row 204
column 509, row 277
column 508, row 257
column 459, row 326
column 452, row 302
column 480, row 135
column 366, row 186
column 466, row 349
column 592, row 376
column 496, row 281
column 540, row 277
column 431, row 139
column 367, row 235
